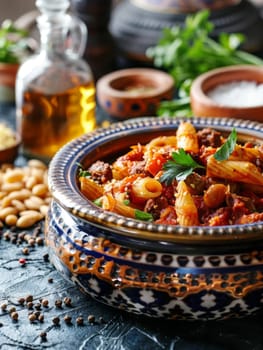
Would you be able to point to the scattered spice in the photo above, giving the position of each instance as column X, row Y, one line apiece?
column 50, row 280
column 32, row 317
column 101, row 320
column 14, row 316
column 30, row 305
column 38, row 306
column 67, row 301
column 41, row 318
column 21, row 301
column 43, row 335
column 91, row 318
column 46, row 257
column 12, row 309
column 67, row 319
column 29, row 298
column 22, row 262
column 58, row 303
column 45, row 302
column 25, row 251
column 79, row 320
column 56, row 320
column 4, row 306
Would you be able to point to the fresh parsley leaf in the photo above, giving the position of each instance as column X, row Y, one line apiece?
column 98, row 202
column 179, row 168
column 142, row 215
column 126, row 201
column 82, row 172
column 228, row 147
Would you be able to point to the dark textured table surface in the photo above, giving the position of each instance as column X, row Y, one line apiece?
column 111, row 329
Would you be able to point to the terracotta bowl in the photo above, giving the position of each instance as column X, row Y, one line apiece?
column 134, row 92
column 162, row 271
column 203, row 105
column 9, row 154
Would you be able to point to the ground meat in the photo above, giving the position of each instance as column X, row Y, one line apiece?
column 155, row 206
column 100, row 171
column 138, row 167
column 209, row 137
column 196, row 183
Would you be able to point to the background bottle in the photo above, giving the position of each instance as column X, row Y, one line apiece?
column 55, row 91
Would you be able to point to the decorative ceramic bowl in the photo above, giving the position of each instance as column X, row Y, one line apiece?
column 204, row 105
column 8, row 154
column 164, row 271
column 134, row 92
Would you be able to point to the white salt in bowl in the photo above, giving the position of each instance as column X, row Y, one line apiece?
column 233, row 91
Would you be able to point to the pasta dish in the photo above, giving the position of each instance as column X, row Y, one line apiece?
column 191, row 178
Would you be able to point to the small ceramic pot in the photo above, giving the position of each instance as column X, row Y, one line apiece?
column 164, row 271
column 204, row 106
column 134, row 92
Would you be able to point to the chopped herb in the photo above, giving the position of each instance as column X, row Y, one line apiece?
column 83, row 172
column 142, row 215
column 126, row 202
column 179, row 168
column 98, row 202
column 228, row 147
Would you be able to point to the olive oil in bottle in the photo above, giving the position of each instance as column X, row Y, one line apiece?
column 55, row 90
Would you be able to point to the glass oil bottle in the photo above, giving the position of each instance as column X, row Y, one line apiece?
column 55, row 90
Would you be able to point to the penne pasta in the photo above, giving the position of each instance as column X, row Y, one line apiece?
column 186, row 210
column 234, row 170
column 187, row 137
column 246, row 154
column 90, row 188
column 110, row 203
column 161, row 141
column 145, row 188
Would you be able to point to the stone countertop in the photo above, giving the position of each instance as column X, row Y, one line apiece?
column 103, row 328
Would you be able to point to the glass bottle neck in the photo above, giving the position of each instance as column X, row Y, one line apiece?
column 53, row 34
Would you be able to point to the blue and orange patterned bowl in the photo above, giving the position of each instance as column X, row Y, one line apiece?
column 162, row 271
column 134, row 92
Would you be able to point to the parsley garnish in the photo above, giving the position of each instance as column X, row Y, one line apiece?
column 142, row 215
column 179, row 168
column 228, row 147
column 98, row 202
column 82, row 172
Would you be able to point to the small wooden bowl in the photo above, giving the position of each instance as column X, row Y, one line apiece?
column 134, row 92
column 203, row 106
column 9, row 154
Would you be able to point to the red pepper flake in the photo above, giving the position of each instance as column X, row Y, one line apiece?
column 22, row 261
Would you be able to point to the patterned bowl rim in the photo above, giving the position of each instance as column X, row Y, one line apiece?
column 62, row 183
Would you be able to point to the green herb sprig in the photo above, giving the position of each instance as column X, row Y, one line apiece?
column 13, row 43
column 228, row 147
column 181, row 166
column 189, row 50
column 142, row 215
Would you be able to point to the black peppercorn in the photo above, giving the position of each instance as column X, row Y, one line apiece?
column 79, row 320
column 58, row 303
column 43, row 335
column 91, row 318
column 56, row 320
column 67, row 319
column 67, row 301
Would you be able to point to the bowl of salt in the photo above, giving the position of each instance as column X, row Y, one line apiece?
column 233, row 91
